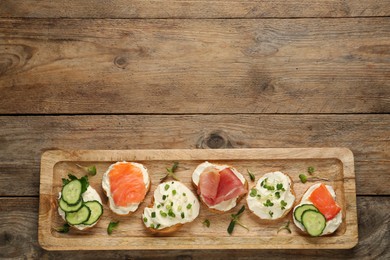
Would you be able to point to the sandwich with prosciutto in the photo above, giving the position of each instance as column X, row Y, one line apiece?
column 220, row 187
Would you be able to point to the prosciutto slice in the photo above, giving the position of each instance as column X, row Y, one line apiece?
column 216, row 187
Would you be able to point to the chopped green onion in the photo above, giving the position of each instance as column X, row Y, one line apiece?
column 145, row 219
column 163, row 214
column 303, row 178
column 271, row 213
column 189, row 206
column 166, row 187
column 111, row 227
column 153, row 214
column 173, row 192
column 277, row 195
column 182, row 215
column 279, row 186
column 253, row 192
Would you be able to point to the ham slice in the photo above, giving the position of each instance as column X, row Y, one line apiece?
column 216, row 187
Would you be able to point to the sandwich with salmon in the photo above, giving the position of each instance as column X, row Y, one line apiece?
column 79, row 204
column 172, row 206
column 273, row 196
column 126, row 185
column 220, row 187
column 318, row 213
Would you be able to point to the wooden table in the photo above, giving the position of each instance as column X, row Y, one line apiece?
column 162, row 74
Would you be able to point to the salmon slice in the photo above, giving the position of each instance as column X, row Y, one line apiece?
column 126, row 184
column 324, row 202
column 216, row 187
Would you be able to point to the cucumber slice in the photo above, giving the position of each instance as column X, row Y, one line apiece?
column 299, row 211
column 78, row 217
column 71, row 192
column 96, row 211
column 67, row 208
column 314, row 222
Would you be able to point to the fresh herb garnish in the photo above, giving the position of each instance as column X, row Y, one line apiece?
column 310, row 169
column 277, row 195
column 271, row 213
column 283, row 204
column 279, row 186
column 189, row 206
column 303, row 178
column 152, row 225
column 153, row 215
column 91, row 170
column 235, row 221
column 158, row 225
column 253, row 192
column 63, row 229
column 182, row 215
column 145, row 219
column 206, row 222
column 286, row 227
column 163, row 214
column 251, row 175
column 112, row 226
column 266, row 186
column 268, row 203
column 171, row 172
column 164, row 197
column 166, row 187
column 173, row 192
column 171, row 214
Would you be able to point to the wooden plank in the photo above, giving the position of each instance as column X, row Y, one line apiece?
column 334, row 164
column 192, row 8
column 195, row 66
column 19, row 224
column 24, row 138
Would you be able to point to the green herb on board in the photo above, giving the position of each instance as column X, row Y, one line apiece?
column 112, row 226
column 171, row 172
column 235, row 221
column 251, row 175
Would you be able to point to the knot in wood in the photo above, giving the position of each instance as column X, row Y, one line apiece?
column 215, row 140
column 120, row 62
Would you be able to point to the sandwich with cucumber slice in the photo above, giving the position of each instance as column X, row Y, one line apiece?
column 79, row 204
column 318, row 213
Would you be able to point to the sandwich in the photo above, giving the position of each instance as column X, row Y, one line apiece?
column 126, row 185
column 173, row 205
column 273, row 196
column 318, row 213
column 79, row 204
column 220, row 187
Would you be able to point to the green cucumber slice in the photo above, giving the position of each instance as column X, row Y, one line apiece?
column 299, row 211
column 71, row 192
column 78, row 217
column 314, row 222
column 96, row 211
column 67, row 208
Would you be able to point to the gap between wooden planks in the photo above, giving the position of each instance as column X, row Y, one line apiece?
column 24, row 138
column 192, row 8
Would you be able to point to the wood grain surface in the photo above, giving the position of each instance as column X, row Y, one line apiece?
column 209, row 74
column 75, row 66
column 19, row 222
column 334, row 164
column 23, row 139
column 192, row 8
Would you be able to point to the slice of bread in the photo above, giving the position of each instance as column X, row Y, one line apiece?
column 272, row 198
column 331, row 225
column 130, row 208
column 173, row 204
column 225, row 205
column 89, row 195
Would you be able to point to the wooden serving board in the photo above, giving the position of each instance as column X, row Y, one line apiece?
column 334, row 164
